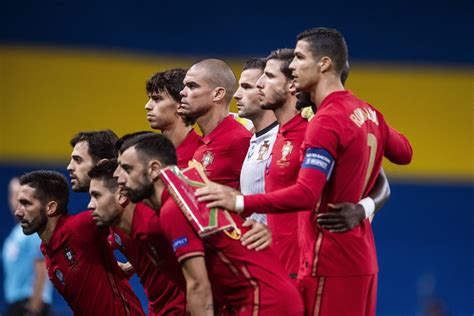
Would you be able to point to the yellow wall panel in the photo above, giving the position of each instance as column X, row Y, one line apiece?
column 49, row 94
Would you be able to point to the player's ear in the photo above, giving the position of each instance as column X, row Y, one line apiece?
column 291, row 87
column 121, row 198
column 325, row 64
column 102, row 161
column 218, row 94
column 154, row 168
column 51, row 208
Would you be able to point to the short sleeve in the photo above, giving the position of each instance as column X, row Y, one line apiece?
column 179, row 233
column 324, row 132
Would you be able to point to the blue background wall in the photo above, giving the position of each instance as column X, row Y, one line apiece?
column 70, row 66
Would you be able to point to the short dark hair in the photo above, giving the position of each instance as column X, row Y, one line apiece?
column 125, row 137
column 286, row 56
column 151, row 146
column 169, row 81
column 255, row 63
column 49, row 186
column 101, row 143
column 327, row 42
column 105, row 172
column 345, row 73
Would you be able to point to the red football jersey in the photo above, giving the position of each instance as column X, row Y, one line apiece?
column 223, row 151
column 283, row 172
column 147, row 231
column 345, row 143
column 164, row 297
column 185, row 150
column 83, row 268
column 244, row 282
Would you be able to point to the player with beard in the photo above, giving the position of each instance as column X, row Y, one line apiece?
column 163, row 90
column 244, row 282
column 208, row 89
column 344, row 147
column 252, row 176
column 112, row 208
column 80, row 263
column 277, row 94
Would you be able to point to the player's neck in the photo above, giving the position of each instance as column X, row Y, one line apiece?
column 264, row 120
column 325, row 87
column 287, row 111
column 209, row 121
column 155, row 199
column 126, row 218
column 177, row 133
column 51, row 224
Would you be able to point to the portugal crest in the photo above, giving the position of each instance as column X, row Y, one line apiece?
column 263, row 150
column 286, row 150
column 69, row 255
column 207, row 159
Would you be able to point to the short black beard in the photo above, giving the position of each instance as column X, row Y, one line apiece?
column 304, row 100
column 145, row 192
column 38, row 226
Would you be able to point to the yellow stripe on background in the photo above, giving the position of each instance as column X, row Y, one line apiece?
column 49, row 94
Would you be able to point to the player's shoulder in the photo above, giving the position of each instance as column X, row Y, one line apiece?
column 81, row 223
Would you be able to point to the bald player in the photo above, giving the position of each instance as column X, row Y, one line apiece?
column 208, row 89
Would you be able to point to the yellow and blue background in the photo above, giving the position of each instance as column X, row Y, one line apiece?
column 73, row 66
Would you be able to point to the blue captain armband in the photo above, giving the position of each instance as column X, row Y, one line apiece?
column 319, row 159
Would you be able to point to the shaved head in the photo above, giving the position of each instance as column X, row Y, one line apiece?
column 218, row 74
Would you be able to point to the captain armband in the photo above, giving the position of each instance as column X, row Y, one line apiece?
column 319, row 159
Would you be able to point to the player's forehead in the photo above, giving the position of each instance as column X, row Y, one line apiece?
column 302, row 48
column 97, row 185
column 81, row 149
column 197, row 75
column 26, row 193
column 273, row 67
column 129, row 157
column 250, row 76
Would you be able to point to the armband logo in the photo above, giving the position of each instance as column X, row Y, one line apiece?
column 179, row 242
column 118, row 240
column 319, row 159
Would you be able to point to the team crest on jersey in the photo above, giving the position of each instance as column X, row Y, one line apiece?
column 59, row 275
column 69, row 255
column 286, row 150
column 263, row 150
column 207, row 159
column 118, row 240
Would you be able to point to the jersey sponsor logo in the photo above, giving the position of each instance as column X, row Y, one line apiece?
column 118, row 240
column 180, row 242
column 251, row 152
column 263, row 150
column 361, row 115
column 59, row 275
column 319, row 159
column 69, row 255
column 207, row 159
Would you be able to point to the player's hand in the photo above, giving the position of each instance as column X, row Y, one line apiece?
column 126, row 268
column 217, row 195
column 342, row 217
column 258, row 237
